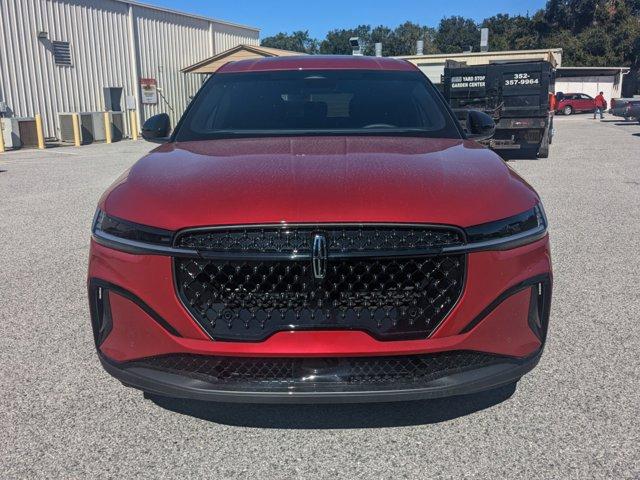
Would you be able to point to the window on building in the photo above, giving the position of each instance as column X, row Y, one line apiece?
column 62, row 53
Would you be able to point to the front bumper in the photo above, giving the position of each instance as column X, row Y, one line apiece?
column 502, row 313
column 503, row 371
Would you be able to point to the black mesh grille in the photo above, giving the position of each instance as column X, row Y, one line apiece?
column 266, row 287
column 278, row 373
column 390, row 298
column 342, row 239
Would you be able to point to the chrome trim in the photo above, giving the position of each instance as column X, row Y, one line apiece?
column 319, row 257
column 439, row 226
column 504, row 243
column 139, row 248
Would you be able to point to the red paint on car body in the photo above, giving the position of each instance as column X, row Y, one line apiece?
column 319, row 179
column 286, row 179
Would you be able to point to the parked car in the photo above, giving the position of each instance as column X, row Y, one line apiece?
column 575, row 102
column 319, row 229
column 632, row 111
column 620, row 107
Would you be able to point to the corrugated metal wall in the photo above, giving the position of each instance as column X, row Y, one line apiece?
column 227, row 36
column 166, row 42
column 101, row 33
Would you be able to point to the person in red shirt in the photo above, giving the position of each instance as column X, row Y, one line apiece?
column 552, row 103
column 601, row 104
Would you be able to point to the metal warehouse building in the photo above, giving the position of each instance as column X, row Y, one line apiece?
column 94, row 55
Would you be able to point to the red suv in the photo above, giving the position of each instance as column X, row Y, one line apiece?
column 576, row 102
column 319, row 229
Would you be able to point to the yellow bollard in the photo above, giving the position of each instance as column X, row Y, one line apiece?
column 134, row 124
column 76, row 130
column 1, row 137
column 39, row 131
column 107, row 126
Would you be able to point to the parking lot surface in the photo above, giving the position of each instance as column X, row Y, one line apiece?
column 574, row 416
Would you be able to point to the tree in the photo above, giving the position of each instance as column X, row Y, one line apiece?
column 379, row 34
column 583, row 13
column 337, row 41
column 590, row 32
column 557, row 13
column 299, row 41
column 512, row 33
column 403, row 39
column 456, row 34
column 499, row 26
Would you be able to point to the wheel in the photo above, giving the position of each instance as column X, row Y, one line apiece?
column 568, row 110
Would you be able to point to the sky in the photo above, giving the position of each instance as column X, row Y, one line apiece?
column 320, row 16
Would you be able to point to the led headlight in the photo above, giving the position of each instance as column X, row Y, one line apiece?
column 125, row 235
column 522, row 228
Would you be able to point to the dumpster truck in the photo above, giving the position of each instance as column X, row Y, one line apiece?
column 517, row 95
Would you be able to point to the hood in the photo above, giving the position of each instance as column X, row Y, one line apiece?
column 316, row 180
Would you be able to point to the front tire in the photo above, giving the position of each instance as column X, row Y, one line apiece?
column 568, row 110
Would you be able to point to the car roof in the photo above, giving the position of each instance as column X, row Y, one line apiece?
column 317, row 62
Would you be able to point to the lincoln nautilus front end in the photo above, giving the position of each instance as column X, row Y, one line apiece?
column 319, row 229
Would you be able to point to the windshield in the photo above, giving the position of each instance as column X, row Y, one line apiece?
column 328, row 102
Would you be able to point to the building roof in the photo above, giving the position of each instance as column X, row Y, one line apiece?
column 552, row 55
column 318, row 62
column 239, row 52
column 185, row 14
column 590, row 71
column 480, row 54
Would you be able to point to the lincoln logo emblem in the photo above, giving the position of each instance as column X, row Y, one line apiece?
column 319, row 256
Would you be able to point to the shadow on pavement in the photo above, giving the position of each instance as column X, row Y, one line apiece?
column 518, row 155
column 367, row 415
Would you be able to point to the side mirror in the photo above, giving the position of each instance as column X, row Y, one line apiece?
column 157, row 128
column 480, row 126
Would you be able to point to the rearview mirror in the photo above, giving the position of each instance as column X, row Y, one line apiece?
column 157, row 128
column 480, row 126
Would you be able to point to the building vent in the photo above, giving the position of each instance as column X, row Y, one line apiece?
column 28, row 132
column 87, row 128
column 117, row 126
column 19, row 132
column 62, row 54
column 10, row 130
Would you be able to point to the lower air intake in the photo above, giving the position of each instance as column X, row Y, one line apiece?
column 240, row 373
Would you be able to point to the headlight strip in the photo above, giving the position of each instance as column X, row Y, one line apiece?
column 503, row 234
